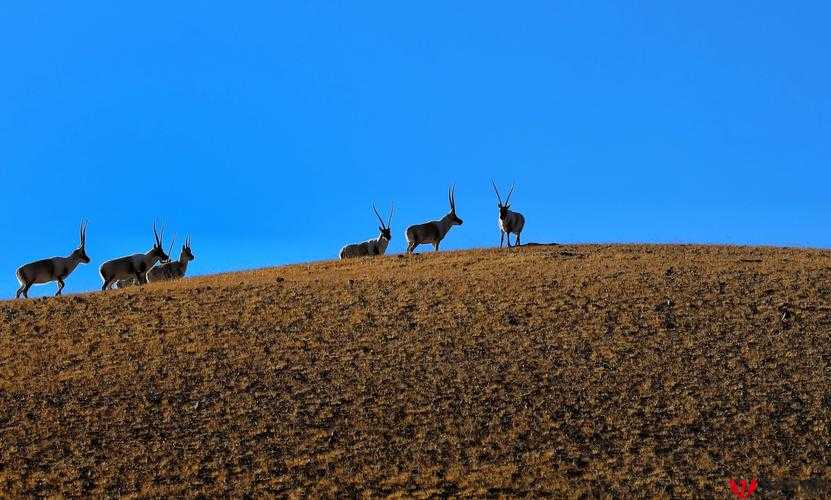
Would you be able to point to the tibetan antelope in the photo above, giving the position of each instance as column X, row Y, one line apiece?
column 135, row 265
column 172, row 270
column 132, row 281
column 377, row 246
column 435, row 230
column 509, row 222
column 54, row 269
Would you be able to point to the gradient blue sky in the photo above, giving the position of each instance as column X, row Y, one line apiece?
column 266, row 129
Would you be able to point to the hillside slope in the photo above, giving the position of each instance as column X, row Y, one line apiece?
column 554, row 369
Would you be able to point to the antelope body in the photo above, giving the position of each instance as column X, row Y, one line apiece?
column 126, row 282
column 172, row 270
column 435, row 230
column 135, row 265
column 509, row 222
column 53, row 269
column 378, row 246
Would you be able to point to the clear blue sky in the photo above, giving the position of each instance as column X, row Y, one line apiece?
column 266, row 130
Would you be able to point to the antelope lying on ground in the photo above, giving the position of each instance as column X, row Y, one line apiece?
column 377, row 246
column 435, row 230
column 54, row 269
column 172, row 270
column 509, row 222
column 135, row 265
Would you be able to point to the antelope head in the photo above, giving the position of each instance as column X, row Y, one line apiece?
column 451, row 197
column 187, row 255
column 80, row 253
column 503, row 207
column 157, row 250
column 385, row 229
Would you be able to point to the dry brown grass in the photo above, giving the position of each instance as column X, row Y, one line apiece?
column 628, row 370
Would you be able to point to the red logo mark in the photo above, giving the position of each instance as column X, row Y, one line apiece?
column 742, row 489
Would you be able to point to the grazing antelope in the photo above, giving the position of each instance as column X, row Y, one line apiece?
column 509, row 222
column 135, row 265
column 54, row 269
column 435, row 230
column 172, row 270
column 377, row 246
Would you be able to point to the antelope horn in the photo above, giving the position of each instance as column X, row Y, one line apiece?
column 513, row 184
column 170, row 248
column 497, row 192
column 155, row 233
column 451, row 197
column 392, row 211
column 381, row 220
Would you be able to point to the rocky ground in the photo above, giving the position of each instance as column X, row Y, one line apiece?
column 564, row 370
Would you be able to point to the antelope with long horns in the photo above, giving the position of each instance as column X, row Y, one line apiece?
column 132, row 281
column 377, row 246
column 54, row 269
column 435, row 230
column 175, row 269
column 509, row 222
column 135, row 265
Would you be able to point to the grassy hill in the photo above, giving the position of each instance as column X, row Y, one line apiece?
column 545, row 370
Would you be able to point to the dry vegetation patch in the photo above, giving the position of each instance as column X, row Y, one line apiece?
column 563, row 370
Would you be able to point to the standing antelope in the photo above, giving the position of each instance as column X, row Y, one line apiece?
column 509, row 222
column 435, row 230
column 133, row 265
column 377, row 246
column 172, row 270
column 132, row 281
column 54, row 269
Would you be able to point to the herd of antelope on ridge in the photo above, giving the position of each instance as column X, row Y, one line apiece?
column 155, row 265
